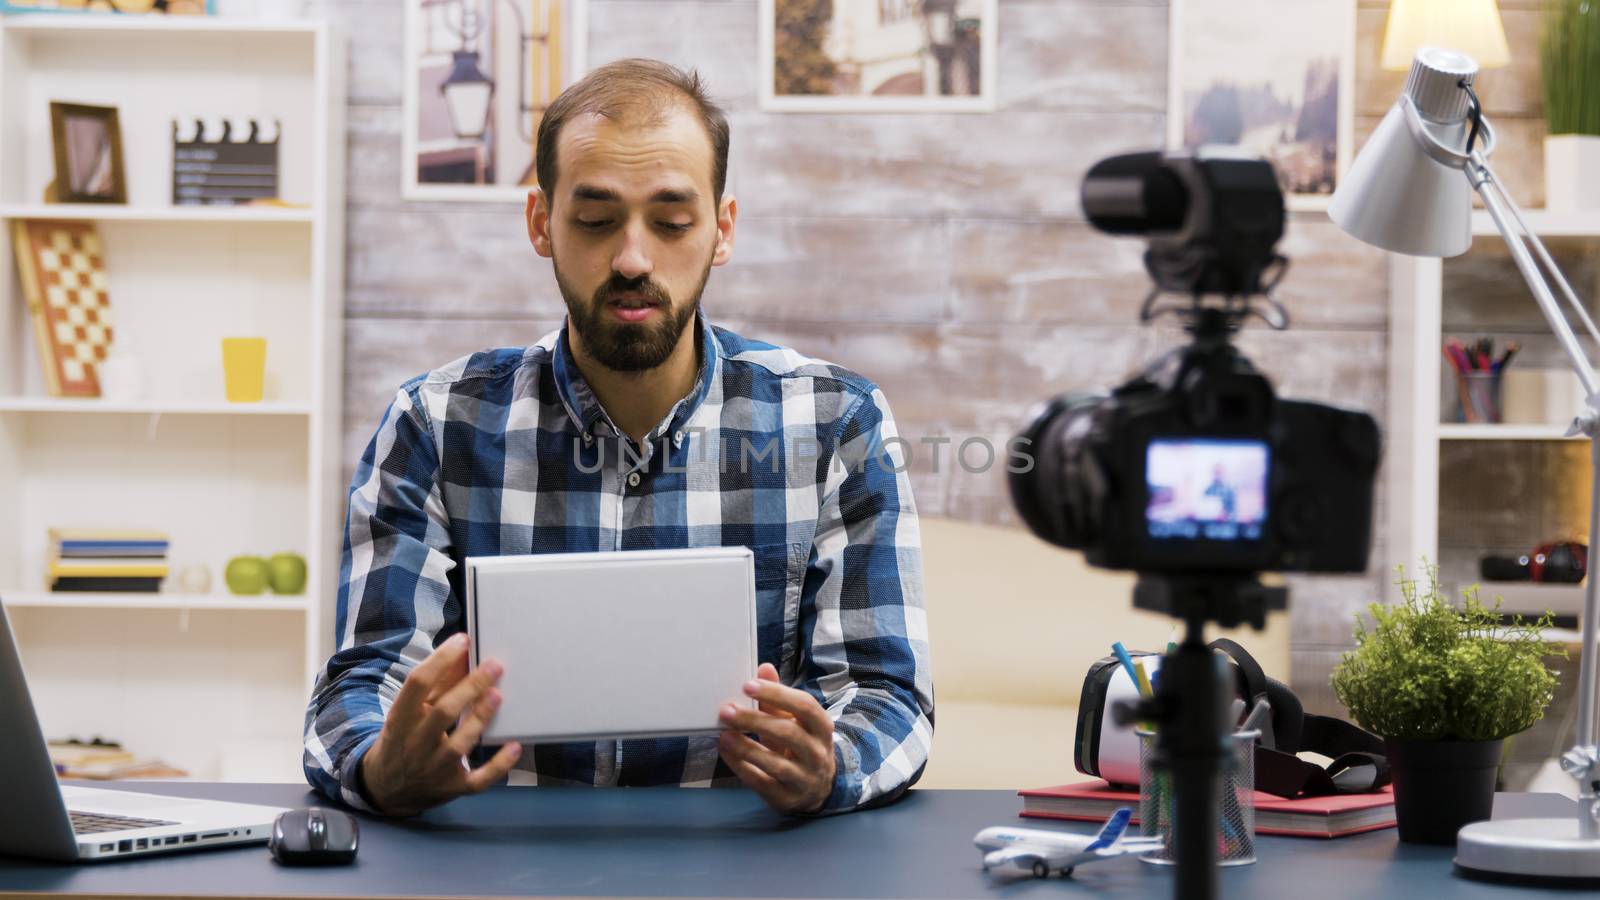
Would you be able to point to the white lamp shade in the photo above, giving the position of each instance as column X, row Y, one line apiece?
column 1397, row 198
column 1470, row 26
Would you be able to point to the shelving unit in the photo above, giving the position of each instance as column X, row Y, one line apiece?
column 75, row 406
column 104, row 213
column 222, row 603
column 1416, row 427
column 220, row 693
column 1456, row 432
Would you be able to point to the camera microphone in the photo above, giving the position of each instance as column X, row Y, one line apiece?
column 1212, row 215
column 1136, row 193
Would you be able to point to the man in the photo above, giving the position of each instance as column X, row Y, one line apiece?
column 1223, row 491
column 636, row 425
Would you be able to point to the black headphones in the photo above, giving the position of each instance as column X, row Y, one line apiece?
column 1358, row 763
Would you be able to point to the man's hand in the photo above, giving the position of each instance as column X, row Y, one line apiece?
column 792, row 765
column 418, row 762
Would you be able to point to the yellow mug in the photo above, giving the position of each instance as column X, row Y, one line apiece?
column 244, row 368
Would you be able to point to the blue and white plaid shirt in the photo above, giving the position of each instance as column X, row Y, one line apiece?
column 508, row 451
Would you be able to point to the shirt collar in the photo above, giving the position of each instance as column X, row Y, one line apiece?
column 585, row 410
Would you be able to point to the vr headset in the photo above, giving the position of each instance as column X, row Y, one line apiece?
column 1104, row 750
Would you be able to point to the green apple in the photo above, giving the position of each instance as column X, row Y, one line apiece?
column 286, row 572
column 246, row 574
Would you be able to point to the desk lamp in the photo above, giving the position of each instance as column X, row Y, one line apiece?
column 1407, row 192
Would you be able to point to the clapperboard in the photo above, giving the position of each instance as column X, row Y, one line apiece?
column 223, row 161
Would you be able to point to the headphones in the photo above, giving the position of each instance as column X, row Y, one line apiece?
column 1358, row 763
column 1106, row 751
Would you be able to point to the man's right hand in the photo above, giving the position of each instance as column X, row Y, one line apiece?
column 418, row 762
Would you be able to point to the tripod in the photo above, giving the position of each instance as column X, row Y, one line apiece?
column 1191, row 706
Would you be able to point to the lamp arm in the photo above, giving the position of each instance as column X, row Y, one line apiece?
column 1583, row 761
column 1551, row 268
column 1502, row 210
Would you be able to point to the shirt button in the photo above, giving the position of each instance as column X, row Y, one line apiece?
column 677, row 439
column 633, row 479
column 588, row 438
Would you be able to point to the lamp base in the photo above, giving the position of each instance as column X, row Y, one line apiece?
column 1540, row 849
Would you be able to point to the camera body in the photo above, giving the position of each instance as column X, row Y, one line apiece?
column 1195, row 466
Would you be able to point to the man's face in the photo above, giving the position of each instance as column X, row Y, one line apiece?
column 633, row 230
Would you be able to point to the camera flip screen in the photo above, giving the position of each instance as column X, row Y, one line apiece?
column 1206, row 490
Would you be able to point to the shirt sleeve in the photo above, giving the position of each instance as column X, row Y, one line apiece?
column 863, row 624
column 393, row 587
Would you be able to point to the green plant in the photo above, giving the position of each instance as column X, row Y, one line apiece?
column 1430, row 671
column 1569, row 56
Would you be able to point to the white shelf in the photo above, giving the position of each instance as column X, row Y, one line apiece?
column 221, row 479
column 114, row 212
column 48, row 22
column 152, row 407
column 1458, row 432
column 86, row 600
column 1530, row 599
column 1562, row 636
column 1544, row 224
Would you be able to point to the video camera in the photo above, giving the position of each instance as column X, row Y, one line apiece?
column 1194, row 473
column 1195, row 465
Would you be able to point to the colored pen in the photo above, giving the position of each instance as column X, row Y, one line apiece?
column 1257, row 716
column 1126, row 660
column 1142, row 679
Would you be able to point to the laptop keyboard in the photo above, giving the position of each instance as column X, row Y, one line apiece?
column 97, row 823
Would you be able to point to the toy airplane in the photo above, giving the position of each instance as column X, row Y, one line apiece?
column 1042, row 852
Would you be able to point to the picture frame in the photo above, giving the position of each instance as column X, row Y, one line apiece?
column 897, row 56
column 111, row 7
column 87, row 146
column 461, row 59
column 1241, row 72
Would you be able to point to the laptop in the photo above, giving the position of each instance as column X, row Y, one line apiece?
column 39, row 817
column 614, row 645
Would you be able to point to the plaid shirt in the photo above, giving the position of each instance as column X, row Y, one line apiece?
column 508, row 451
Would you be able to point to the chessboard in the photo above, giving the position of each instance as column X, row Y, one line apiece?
column 62, row 265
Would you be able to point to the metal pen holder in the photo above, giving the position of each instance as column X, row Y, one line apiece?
column 1479, row 395
column 1236, row 826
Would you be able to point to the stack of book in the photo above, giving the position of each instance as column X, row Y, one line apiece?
column 108, row 561
column 73, row 759
column 1323, row 817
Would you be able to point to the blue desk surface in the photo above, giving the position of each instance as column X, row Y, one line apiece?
column 671, row 842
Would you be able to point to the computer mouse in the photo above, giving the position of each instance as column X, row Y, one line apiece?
column 314, row 837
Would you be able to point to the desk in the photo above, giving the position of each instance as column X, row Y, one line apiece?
column 672, row 842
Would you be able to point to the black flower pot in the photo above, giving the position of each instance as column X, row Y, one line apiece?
column 1440, row 786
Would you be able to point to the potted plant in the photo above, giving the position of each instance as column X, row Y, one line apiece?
column 1444, row 686
column 1570, row 61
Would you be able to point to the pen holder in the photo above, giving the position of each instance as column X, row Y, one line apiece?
column 1480, row 397
column 1236, row 824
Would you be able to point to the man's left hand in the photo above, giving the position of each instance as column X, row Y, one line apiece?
column 791, row 767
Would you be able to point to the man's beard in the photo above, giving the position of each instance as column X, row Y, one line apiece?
column 625, row 346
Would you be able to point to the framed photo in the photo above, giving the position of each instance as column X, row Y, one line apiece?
column 1275, row 80
column 88, row 154
column 134, row 7
column 878, row 55
column 479, row 75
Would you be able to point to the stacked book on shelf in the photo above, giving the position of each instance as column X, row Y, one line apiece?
column 1322, row 817
column 105, row 761
column 107, row 561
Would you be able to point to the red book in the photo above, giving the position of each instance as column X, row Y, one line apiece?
column 1323, row 817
